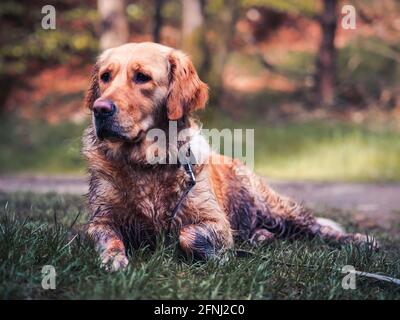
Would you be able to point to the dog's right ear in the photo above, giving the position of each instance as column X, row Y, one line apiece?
column 94, row 91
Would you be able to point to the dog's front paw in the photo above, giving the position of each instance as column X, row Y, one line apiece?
column 197, row 242
column 113, row 261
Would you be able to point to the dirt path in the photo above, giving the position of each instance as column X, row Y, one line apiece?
column 44, row 184
column 371, row 204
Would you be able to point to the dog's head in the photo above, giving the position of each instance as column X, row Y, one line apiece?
column 138, row 85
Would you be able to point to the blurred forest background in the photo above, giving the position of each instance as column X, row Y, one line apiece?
column 324, row 101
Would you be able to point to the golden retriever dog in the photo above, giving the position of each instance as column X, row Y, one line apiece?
column 141, row 86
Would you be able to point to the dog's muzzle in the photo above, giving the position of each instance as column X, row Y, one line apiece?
column 104, row 115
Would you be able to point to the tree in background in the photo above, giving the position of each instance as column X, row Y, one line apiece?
column 114, row 23
column 26, row 49
column 209, row 26
column 194, row 33
column 325, row 77
column 324, row 87
column 158, row 20
column 222, row 18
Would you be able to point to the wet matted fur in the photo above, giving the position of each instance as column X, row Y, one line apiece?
column 131, row 200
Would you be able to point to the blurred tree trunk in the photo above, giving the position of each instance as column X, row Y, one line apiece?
column 7, row 82
column 222, row 45
column 194, row 34
column 114, row 23
column 195, row 23
column 325, row 78
column 158, row 20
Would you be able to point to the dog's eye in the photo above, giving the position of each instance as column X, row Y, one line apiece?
column 105, row 77
column 141, row 77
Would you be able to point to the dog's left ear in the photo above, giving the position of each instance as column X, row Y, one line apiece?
column 186, row 91
column 94, row 91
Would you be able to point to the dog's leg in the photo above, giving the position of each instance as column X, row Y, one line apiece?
column 287, row 218
column 206, row 240
column 292, row 219
column 108, row 243
column 207, row 230
column 261, row 236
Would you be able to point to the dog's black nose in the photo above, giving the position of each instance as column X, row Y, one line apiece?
column 103, row 108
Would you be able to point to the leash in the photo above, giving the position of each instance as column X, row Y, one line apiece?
column 240, row 253
column 192, row 182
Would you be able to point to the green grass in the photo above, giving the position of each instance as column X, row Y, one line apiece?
column 36, row 230
column 326, row 150
column 37, row 147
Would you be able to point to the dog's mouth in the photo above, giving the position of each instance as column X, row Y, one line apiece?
column 115, row 134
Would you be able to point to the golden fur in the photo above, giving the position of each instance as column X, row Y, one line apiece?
column 131, row 200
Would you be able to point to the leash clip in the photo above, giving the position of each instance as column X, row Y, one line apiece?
column 189, row 170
